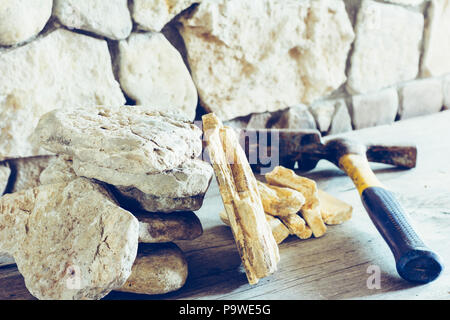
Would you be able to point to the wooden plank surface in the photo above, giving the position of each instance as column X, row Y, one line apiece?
column 334, row 266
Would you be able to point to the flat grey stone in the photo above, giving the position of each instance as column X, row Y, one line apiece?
column 120, row 145
column 296, row 117
column 160, row 227
column 420, row 97
column 374, row 109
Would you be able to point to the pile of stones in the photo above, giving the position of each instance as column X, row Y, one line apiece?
column 120, row 190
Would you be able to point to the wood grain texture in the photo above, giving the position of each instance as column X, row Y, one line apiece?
column 240, row 196
column 335, row 265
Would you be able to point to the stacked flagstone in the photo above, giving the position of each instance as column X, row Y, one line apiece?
column 89, row 208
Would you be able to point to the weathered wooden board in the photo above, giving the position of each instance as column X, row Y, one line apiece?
column 334, row 266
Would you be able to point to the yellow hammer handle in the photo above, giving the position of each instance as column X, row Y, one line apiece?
column 414, row 260
column 358, row 169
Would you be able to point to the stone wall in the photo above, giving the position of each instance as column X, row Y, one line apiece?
column 336, row 65
column 397, row 68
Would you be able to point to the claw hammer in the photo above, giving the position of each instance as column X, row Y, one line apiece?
column 415, row 262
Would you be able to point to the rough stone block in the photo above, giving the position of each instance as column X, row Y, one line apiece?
column 152, row 72
column 420, row 97
column 296, row 117
column 110, row 18
column 153, row 15
column 238, row 69
column 69, row 240
column 125, row 145
column 387, row 47
column 159, row 269
column 63, row 69
column 374, row 109
column 21, row 20
column 160, row 227
column 436, row 58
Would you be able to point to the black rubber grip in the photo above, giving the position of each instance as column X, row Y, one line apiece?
column 414, row 260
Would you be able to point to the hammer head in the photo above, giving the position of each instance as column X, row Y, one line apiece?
column 403, row 156
column 267, row 148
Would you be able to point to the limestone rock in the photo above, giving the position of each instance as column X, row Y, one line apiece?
column 180, row 189
column 70, row 241
column 342, row 122
column 59, row 70
column 311, row 210
column 110, row 18
column 446, row 89
column 134, row 199
column 59, row 170
column 153, row 15
column 239, row 70
column 374, row 109
column 192, row 178
column 280, row 201
column 153, row 73
column 159, row 269
column 119, row 145
column 436, row 60
column 5, row 172
column 21, row 20
column 387, row 46
column 296, row 117
column 420, row 97
column 27, row 172
column 157, row 228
